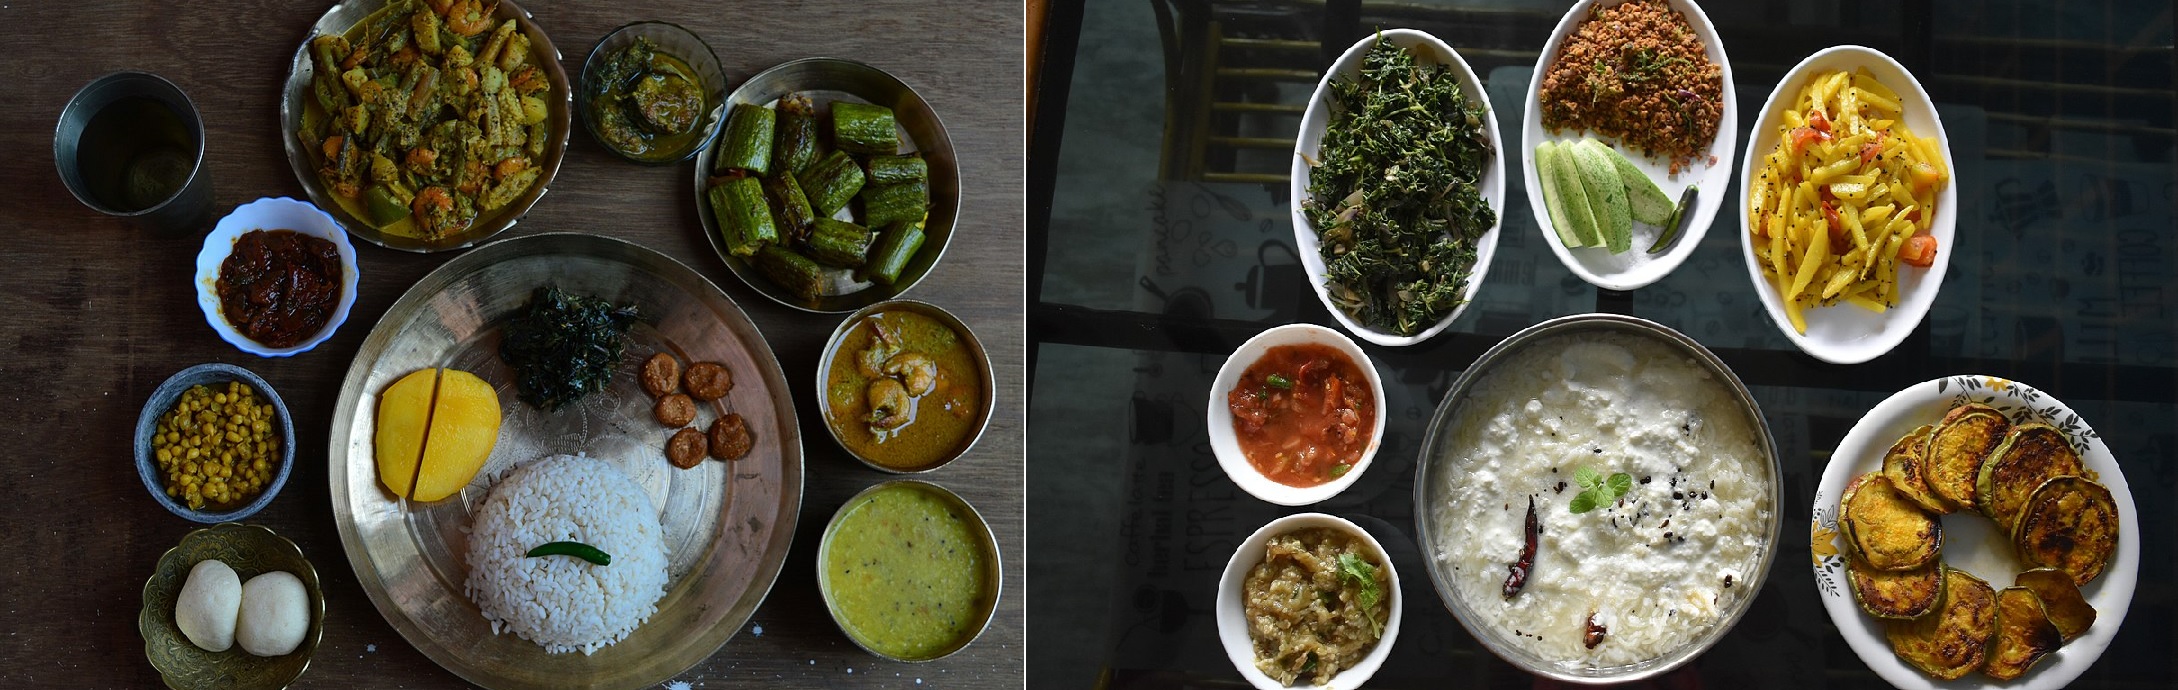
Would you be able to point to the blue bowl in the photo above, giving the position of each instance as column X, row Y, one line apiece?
column 163, row 398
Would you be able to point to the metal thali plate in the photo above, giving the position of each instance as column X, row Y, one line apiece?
column 727, row 525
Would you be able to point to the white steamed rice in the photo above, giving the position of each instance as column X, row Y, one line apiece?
column 563, row 603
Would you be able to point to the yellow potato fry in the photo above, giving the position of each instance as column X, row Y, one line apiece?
column 1880, row 201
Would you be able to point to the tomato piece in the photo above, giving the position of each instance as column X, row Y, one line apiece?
column 1872, row 149
column 1803, row 136
column 1919, row 250
column 1837, row 226
column 1819, row 121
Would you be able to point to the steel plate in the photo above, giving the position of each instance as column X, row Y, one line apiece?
column 825, row 80
column 727, row 525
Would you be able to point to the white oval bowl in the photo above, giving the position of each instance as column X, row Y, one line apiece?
column 1232, row 616
column 1227, row 448
column 1310, row 140
column 1972, row 543
column 272, row 214
column 1636, row 268
column 1847, row 334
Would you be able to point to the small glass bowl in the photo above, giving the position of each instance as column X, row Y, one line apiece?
column 672, row 40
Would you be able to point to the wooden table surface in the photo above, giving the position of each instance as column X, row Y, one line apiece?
column 94, row 314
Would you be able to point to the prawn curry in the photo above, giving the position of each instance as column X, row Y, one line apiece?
column 903, row 390
column 428, row 116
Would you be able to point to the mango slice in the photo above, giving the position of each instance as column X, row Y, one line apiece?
column 436, row 428
column 403, row 412
column 464, row 427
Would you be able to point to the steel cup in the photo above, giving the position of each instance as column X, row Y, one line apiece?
column 130, row 144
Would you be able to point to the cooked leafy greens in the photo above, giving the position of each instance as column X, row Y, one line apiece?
column 1395, row 193
column 563, row 346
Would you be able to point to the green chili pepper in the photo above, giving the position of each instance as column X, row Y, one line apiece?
column 1279, row 382
column 573, row 548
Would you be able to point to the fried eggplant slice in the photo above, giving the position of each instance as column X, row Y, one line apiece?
column 2062, row 600
column 1886, row 530
column 2031, row 454
column 1901, row 595
column 1907, row 465
column 2070, row 524
column 1952, row 641
column 1957, row 448
column 2024, row 634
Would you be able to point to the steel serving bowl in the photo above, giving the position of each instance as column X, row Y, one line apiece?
column 975, row 351
column 995, row 573
column 250, row 550
column 672, row 40
column 162, row 400
column 303, row 156
column 825, row 80
column 1435, row 453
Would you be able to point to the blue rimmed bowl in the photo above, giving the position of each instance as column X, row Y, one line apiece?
column 163, row 399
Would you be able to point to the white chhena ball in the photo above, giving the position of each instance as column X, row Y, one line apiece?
column 209, row 601
column 275, row 614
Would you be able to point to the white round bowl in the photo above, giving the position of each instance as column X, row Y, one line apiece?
column 1310, row 141
column 271, row 214
column 1636, row 267
column 1227, row 449
column 1233, row 620
column 1844, row 333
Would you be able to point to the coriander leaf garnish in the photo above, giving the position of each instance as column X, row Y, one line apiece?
column 1361, row 575
column 1598, row 491
column 1279, row 382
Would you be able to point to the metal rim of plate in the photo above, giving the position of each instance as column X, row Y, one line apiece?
column 343, row 16
column 1441, row 421
column 707, row 599
column 827, row 79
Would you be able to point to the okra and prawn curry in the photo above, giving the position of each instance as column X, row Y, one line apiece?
column 427, row 117
column 903, row 390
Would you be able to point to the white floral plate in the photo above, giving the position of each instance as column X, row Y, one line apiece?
column 1971, row 542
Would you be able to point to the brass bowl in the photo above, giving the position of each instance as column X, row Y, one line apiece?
column 988, row 389
column 251, row 550
column 303, row 157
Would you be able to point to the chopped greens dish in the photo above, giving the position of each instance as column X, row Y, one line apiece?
column 1395, row 193
column 564, row 346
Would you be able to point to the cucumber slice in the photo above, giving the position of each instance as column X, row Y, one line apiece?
column 1606, row 194
column 1550, row 168
column 1649, row 204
